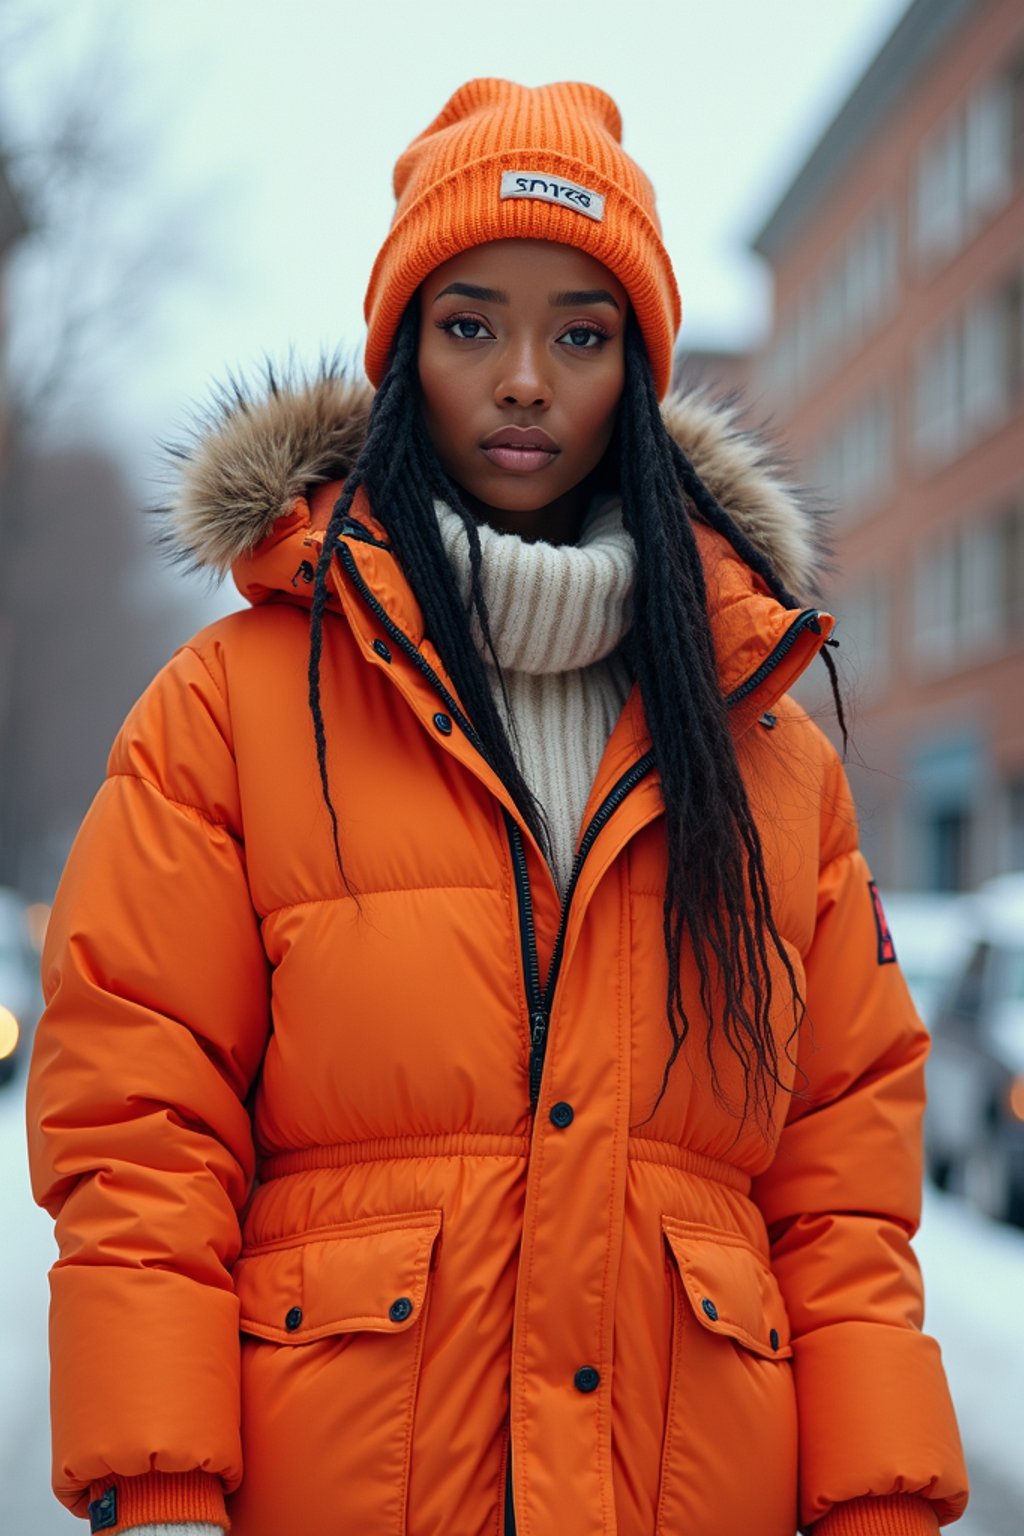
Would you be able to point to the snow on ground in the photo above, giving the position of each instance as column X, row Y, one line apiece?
column 974, row 1288
column 974, row 1305
column 27, row 1250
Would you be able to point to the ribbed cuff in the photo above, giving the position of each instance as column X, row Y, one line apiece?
column 164, row 1498
column 176, row 1529
column 898, row 1514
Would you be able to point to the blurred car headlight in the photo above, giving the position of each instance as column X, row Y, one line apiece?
column 1015, row 1098
column 10, row 1032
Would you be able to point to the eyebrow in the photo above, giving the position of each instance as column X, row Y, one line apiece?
column 577, row 296
column 567, row 300
column 471, row 291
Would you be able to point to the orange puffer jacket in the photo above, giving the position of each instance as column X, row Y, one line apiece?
column 361, row 1221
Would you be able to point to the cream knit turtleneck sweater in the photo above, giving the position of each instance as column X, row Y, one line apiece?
column 558, row 613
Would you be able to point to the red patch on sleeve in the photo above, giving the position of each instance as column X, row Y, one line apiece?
column 886, row 947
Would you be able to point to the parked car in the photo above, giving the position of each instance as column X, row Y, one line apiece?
column 974, row 1124
column 19, row 983
column 930, row 932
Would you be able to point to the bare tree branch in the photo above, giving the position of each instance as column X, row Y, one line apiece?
column 84, row 277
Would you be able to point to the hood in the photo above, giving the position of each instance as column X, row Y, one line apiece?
column 255, row 451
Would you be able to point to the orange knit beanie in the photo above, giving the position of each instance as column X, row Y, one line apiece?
column 504, row 161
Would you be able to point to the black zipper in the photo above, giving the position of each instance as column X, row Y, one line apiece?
column 402, row 640
column 352, row 528
column 528, row 941
column 510, row 1508
column 809, row 619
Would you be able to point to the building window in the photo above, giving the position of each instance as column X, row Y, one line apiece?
column 935, row 601
column 986, row 375
column 939, row 203
column 979, row 615
column 969, row 372
column 988, row 150
column 948, row 842
column 1016, row 89
column 965, row 170
column 1009, row 533
column 968, row 590
column 839, row 308
column 937, row 395
column 867, row 273
column 947, row 778
column 855, row 464
column 1013, row 316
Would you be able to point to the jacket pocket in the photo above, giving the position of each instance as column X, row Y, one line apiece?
column 333, row 1329
column 729, row 1456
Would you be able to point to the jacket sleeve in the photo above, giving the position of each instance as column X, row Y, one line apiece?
column 842, row 1200
column 140, row 1142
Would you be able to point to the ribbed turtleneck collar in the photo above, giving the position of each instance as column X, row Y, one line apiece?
column 552, row 607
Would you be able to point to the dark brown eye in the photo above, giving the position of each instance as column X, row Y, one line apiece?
column 584, row 338
column 465, row 327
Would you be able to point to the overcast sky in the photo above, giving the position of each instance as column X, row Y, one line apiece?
column 267, row 132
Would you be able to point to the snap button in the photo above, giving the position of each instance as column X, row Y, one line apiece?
column 399, row 1310
column 773, row 1338
column 293, row 1318
column 586, row 1378
column 443, row 723
column 710, row 1310
column 561, row 1114
column 382, row 650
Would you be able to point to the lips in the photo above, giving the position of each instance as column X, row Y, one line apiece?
column 520, row 449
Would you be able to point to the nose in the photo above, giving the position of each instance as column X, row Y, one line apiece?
column 522, row 379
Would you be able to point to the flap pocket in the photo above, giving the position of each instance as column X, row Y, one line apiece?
column 730, row 1287
column 366, row 1274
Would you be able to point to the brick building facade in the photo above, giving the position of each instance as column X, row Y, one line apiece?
column 895, row 372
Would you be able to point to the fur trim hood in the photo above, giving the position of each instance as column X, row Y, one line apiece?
column 254, row 450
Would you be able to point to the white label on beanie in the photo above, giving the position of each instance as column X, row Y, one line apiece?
column 552, row 189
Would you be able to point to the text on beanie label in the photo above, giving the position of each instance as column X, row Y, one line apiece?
column 553, row 189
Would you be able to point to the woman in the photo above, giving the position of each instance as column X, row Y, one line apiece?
column 515, row 1056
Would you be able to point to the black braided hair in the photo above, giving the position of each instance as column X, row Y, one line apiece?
column 402, row 477
column 716, row 891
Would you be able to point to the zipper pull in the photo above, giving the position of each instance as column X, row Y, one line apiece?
column 538, row 1038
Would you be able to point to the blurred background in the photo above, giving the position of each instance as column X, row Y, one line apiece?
column 189, row 188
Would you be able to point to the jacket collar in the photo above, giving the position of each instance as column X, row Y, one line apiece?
column 264, row 466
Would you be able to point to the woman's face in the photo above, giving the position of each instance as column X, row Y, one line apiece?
column 521, row 365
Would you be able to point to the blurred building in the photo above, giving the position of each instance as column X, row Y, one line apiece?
column 895, row 372
column 720, row 371
column 85, row 620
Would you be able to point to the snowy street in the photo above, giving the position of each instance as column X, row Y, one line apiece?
column 974, row 1276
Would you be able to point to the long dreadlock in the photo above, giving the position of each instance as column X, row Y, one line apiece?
column 716, row 890
column 401, row 472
